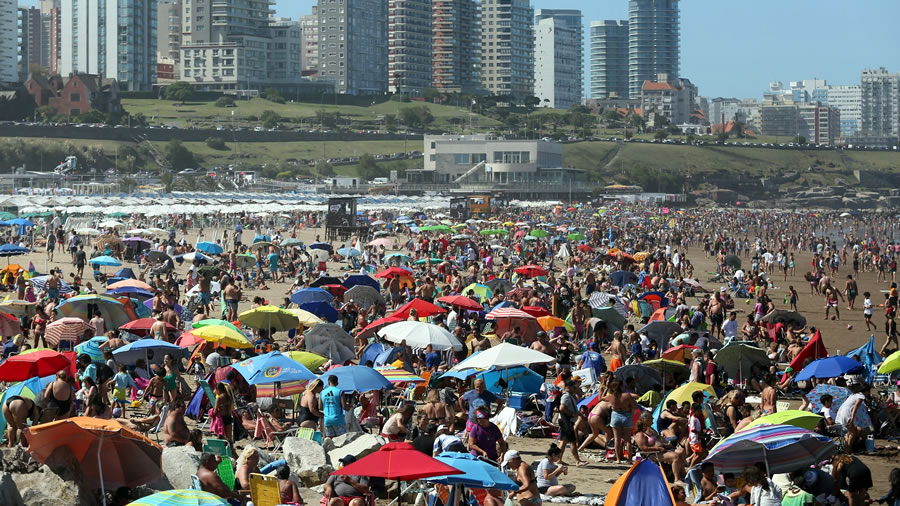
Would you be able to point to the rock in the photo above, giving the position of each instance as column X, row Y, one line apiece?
column 9, row 494
column 45, row 488
column 359, row 446
column 336, row 442
column 178, row 464
column 307, row 460
column 17, row 460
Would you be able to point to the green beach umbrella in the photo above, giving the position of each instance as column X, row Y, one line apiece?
column 538, row 233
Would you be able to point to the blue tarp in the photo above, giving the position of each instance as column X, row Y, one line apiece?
column 518, row 379
column 868, row 356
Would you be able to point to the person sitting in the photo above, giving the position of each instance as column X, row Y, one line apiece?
column 176, row 430
column 247, row 464
column 290, row 494
column 548, row 471
column 211, row 482
column 649, row 442
column 345, row 490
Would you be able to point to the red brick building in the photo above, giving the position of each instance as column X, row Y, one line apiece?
column 75, row 95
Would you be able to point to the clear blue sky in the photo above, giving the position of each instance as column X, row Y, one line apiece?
column 734, row 48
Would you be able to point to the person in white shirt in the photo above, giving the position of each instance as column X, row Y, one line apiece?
column 730, row 327
column 846, row 415
column 99, row 325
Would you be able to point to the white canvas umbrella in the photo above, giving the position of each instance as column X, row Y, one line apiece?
column 420, row 335
column 503, row 356
column 330, row 340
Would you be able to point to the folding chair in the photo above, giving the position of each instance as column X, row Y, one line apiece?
column 310, row 434
column 163, row 413
column 264, row 429
column 221, row 448
column 264, row 490
column 783, row 405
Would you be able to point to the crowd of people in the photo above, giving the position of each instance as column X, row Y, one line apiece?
column 603, row 393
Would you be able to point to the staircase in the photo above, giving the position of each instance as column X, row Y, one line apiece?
column 470, row 172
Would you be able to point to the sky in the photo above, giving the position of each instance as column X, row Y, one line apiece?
column 735, row 48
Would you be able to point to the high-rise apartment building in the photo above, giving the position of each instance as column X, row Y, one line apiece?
column 609, row 59
column 168, row 29
column 653, row 41
column 353, row 45
column 558, row 57
column 29, row 39
column 819, row 124
column 51, row 49
column 9, row 46
column 409, row 46
column 309, row 61
column 456, row 54
column 113, row 39
column 880, row 103
column 848, row 100
column 507, row 45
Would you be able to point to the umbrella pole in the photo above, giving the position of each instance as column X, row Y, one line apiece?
column 100, row 469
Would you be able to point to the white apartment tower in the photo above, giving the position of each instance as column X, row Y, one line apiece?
column 558, row 57
column 9, row 46
column 353, row 47
column 409, row 46
column 110, row 38
column 848, row 100
column 507, row 47
column 880, row 103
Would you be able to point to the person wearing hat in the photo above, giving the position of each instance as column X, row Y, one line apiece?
column 527, row 494
column 345, row 489
column 485, row 438
column 446, row 441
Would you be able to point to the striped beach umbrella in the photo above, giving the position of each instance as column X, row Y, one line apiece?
column 399, row 376
column 783, row 448
column 181, row 498
column 66, row 329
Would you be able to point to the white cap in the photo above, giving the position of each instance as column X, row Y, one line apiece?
column 509, row 455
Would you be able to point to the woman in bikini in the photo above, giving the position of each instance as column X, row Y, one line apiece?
column 436, row 411
column 623, row 406
column 650, row 442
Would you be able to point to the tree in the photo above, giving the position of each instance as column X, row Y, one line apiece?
column 801, row 140
column 368, row 168
column 273, row 95
column 216, row 143
column 177, row 156
column 179, row 91
column 324, row 168
column 429, row 94
column 92, row 116
column 270, row 118
column 167, row 179
column 46, row 113
column 390, row 122
column 417, row 116
column 532, row 102
column 326, row 119
column 225, row 101
column 138, row 120
column 722, row 137
column 660, row 134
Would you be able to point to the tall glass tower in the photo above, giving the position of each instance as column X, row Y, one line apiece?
column 653, row 41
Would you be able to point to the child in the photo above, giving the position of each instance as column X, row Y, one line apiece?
column 121, row 382
column 867, row 311
column 794, row 297
column 696, row 423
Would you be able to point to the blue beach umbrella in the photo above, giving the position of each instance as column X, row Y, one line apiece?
column 323, row 310
column 91, row 348
column 830, row 367
column 358, row 378
column 210, row 248
column 476, row 473
column 309, row 295
column 151, row 350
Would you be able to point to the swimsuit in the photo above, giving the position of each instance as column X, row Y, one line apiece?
column 62, row 406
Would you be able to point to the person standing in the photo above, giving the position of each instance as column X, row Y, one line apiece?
column 333, row 409
column 568, row 414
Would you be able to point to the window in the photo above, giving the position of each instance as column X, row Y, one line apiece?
column 461, row 158
column 75, row 97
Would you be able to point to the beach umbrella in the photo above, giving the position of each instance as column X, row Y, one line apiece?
column 141, row 326
column 396, row 257
column 311, row 295
column 362, row 279
column 577, row 236
column 210, row 248
column 377, row 325
column 364, row 295
column 222, row 335
column 322, row 246
column 461, row 302
column 509, row 312
column 109, row 454
column 829, row 367
column 645, row 483
column 157, row 257
column 311, row 360
column 645, row 378
column 423, row 309
column 285, row 375
column 476, row 473
column 9, row 325
column 86, row 306
column 335, row 290
column 549, row 323
column 66, row 329
column 678, row 371
column 349, row 252
column 30, row 365
column 538, row 233
column 399, row 462
column 324, row 280
column 40, row 282
column 88, row 231
column 137, row 242
column 269, row 317
column 423, row 261
column 622, row 278
column 151, row 350
column 419, row 335
column 305, row 318
column 11, row 250
column 323, row 310
column 357, row 378
column 479, row 290
column 499, row 285
column 783, row 448
column 186, row 340
column 91, row 348
column 215, row 321
column 28, row 389
column 393, row 271
column 497, row 231
column 194, row 255
column 890, row 364
column 331, row 341
column 797, row 418
column 684, row 392
column 514, row 379
column 382, row 242
column 738, row 358
column 105, row 261
column 531, row 271
column 681, row 353
column 290, row 241
column 110, row 224
column 503, row 356
column 245, row 260
column 398, row 376
column 786, row 317
column 181, row 497
column 6, row 215
column 136, row 283
column 839, row 395
column 733, row 261
column 130, row 290
column 660, row 331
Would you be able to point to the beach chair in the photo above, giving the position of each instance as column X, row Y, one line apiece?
column 221, row 448
column 265, row 430
column 264, row 490
column 783, row 405
column 163, row 413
